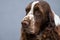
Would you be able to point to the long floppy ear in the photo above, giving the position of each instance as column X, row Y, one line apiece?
column 51, row 19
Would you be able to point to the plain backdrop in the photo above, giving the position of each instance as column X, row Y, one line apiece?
column 11, row 14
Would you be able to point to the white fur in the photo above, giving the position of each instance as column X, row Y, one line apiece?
column 30, row 15
column 56, row 19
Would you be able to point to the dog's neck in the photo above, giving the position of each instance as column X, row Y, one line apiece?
column 31, row 36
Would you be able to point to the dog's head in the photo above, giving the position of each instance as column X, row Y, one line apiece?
column 38, row 16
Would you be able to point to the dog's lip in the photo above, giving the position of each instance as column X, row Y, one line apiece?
column 29, row 31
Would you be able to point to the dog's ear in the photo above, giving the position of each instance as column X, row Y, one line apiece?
column 51, row 19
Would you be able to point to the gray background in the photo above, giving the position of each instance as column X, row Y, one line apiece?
column 11, row 14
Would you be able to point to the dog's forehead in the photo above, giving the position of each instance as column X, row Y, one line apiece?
column 32, row 6
column 32, row 3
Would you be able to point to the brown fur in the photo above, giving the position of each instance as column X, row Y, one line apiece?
column 45, row 28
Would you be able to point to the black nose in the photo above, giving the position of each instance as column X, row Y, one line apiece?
column 25, row 23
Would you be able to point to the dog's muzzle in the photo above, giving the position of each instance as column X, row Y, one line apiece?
column 25, row 23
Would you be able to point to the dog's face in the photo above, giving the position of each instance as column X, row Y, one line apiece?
column 36, row 16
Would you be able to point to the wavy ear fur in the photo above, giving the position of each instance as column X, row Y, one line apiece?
column 51, row 19
column 51, row 29
column 49, row 23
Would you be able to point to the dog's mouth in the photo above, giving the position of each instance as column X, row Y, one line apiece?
column 29, row 31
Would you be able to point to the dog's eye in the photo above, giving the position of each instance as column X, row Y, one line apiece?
column 27, row 10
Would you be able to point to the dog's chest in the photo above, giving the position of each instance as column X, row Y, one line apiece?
column 48, row 35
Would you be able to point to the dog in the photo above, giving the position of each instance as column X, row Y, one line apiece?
column 40, row 22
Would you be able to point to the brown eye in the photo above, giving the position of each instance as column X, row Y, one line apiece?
column 27, row 11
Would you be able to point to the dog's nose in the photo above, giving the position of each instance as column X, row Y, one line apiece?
column 25, row 23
